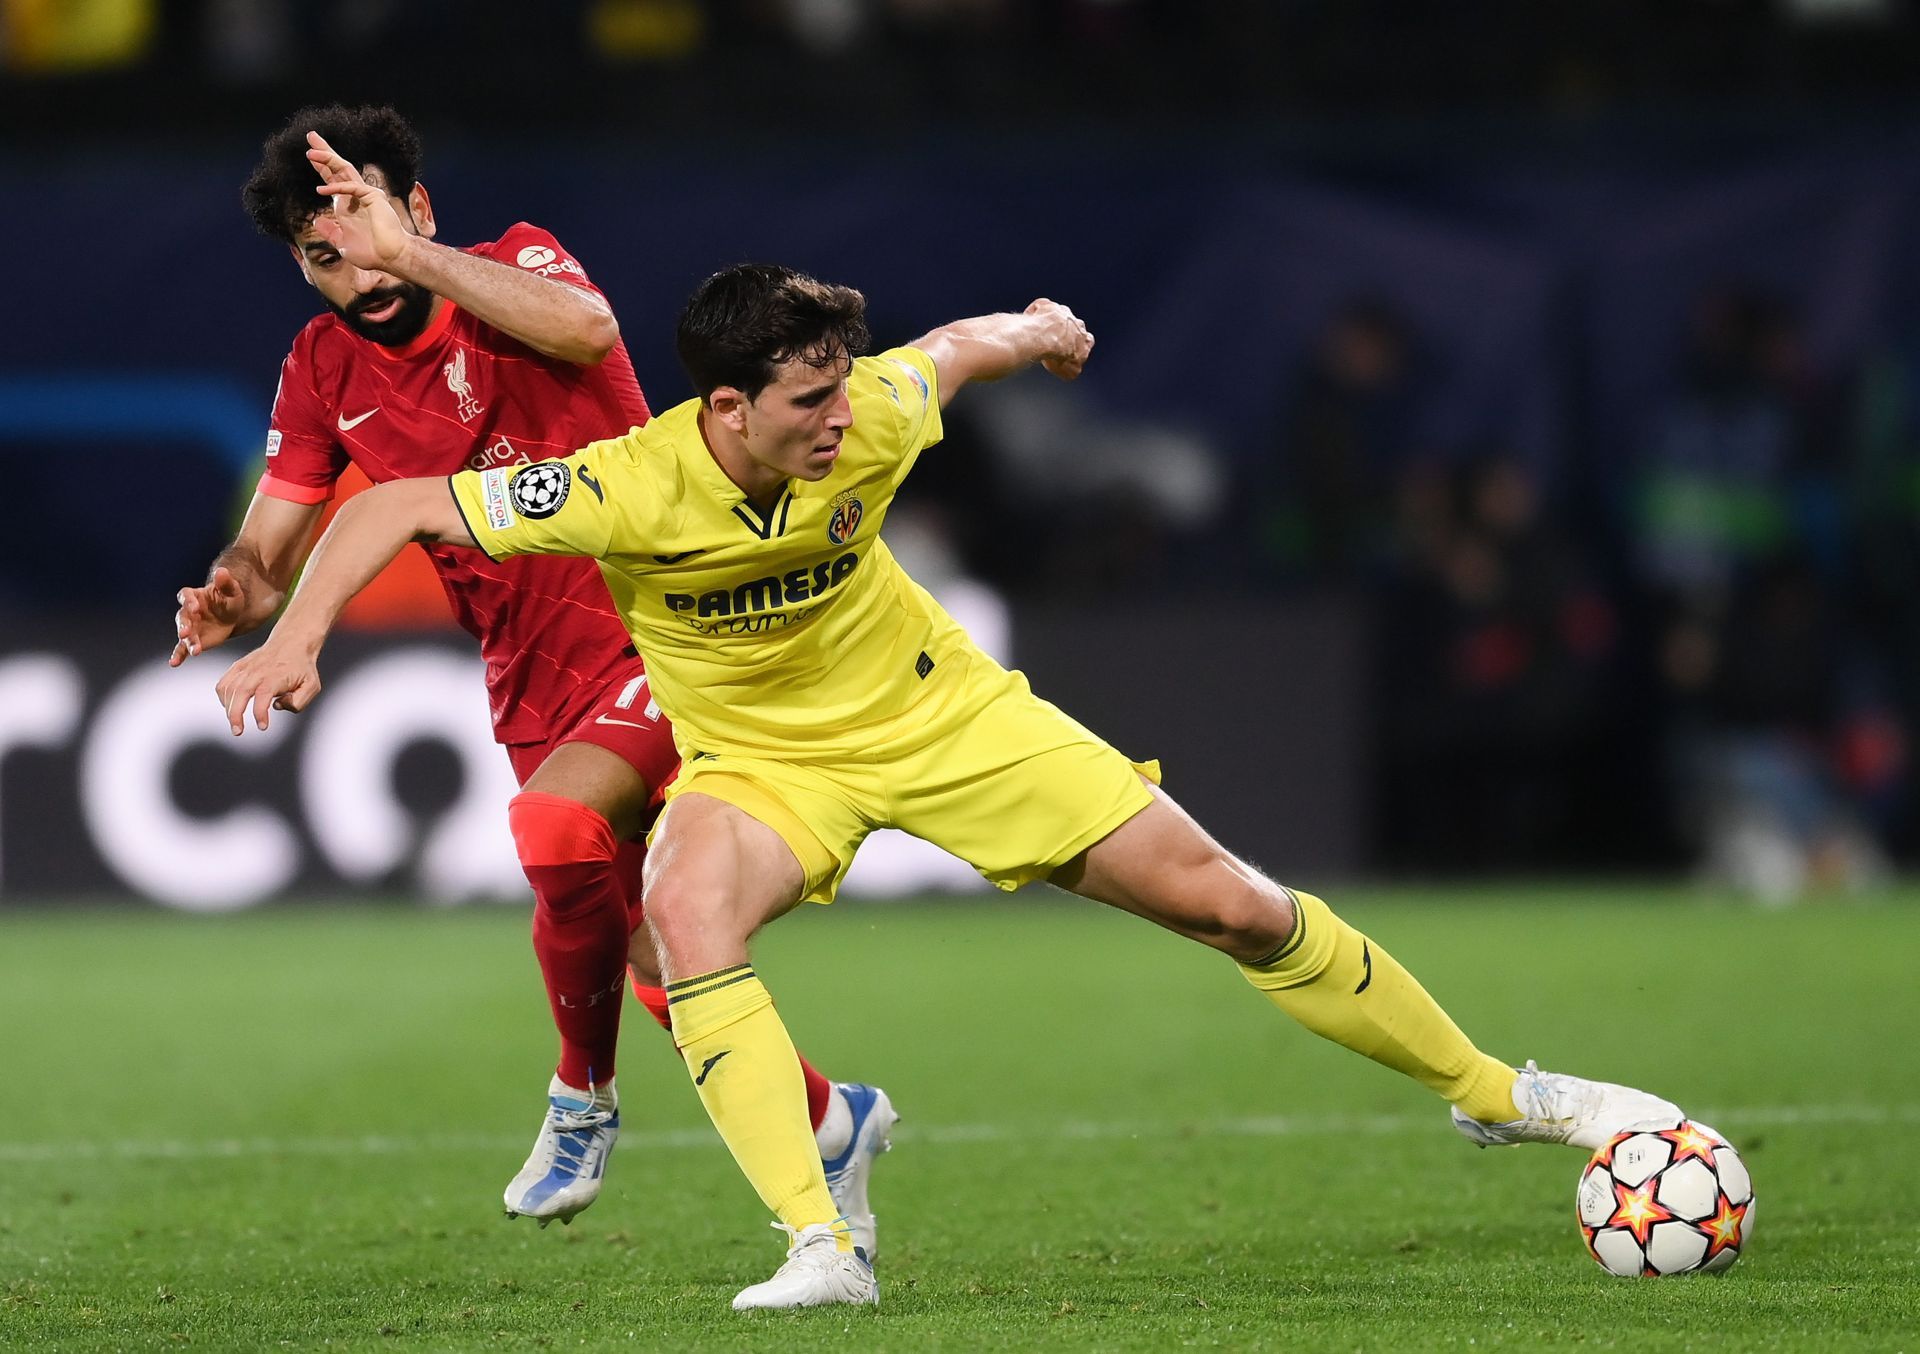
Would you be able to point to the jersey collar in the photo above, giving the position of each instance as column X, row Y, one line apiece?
column 435, row 331
column 706, row 469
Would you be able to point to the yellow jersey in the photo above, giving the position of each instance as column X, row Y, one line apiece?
column 791, row 631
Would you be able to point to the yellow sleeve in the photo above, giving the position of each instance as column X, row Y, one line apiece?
column 912, row 385
column 545, row 508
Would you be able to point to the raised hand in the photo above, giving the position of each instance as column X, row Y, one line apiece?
column 362, row 223
column 267, row 679
column 207, row 616
column 1069, row 340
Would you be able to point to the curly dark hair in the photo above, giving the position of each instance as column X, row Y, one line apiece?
column 279, row 193
column 745, row 321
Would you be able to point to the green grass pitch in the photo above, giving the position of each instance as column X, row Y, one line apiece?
column 291, row 1129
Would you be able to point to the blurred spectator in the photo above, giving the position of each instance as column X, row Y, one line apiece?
column 647, row 30
column 1322, row 506
column 1777, row 739
column 1496, row 649
column 1742, row 460
column 1778, row 735
column 1884, row 500
column 74, row 35
column 264, row 42
column 1104, row 498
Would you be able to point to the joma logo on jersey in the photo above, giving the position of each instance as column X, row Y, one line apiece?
column 847, row 512
column 764, row 594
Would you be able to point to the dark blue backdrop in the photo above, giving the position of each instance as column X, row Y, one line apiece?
column 148, row 321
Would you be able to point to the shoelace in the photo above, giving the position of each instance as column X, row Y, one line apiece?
column 573, row 1121
column 797, row 1245
column 1545, row 1098
column 573, row 1132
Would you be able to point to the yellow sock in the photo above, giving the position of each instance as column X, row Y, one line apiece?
column 1345, row 988
column 748, row 1075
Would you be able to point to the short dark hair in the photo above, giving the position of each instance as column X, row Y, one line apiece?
column 745, row 321
column 280, row 196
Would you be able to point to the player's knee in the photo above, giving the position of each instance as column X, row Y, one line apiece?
column 694, row 914
column 552, row 833
column 1253, row 919
column 673, row 911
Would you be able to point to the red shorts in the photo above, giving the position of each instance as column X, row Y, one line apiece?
column 624, row 720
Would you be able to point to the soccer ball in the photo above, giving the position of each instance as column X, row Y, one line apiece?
column 1665, row 1201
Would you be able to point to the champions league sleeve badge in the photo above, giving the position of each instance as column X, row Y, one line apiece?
column 913, row 374
column 540, row 489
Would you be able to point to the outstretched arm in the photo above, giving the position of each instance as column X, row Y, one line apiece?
column 991, row 346
column 370, row 530
column 247, row 580
column 563, row 321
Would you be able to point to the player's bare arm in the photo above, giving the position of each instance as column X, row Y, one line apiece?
column 248, row 580
column 563, row 321
column 370, row 530
column 989, row 347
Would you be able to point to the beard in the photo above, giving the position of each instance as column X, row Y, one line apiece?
column 402, row 327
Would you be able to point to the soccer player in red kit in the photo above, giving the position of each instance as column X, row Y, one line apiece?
column 431, row 360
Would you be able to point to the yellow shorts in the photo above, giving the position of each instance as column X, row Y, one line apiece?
column 1002, row 779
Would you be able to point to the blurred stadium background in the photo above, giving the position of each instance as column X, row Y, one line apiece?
column 1519, row 406
column 1501, row 460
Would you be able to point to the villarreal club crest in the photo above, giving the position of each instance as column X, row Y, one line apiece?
column 847, row 512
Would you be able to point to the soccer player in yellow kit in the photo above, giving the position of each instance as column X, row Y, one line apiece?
column 818, row 693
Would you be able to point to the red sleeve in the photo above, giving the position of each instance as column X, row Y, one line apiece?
column 529, row 247
column 303, row 456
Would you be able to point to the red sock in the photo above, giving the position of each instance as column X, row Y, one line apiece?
column 579, row 927
column 818, row 1087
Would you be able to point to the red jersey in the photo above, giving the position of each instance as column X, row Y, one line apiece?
column 464, row 396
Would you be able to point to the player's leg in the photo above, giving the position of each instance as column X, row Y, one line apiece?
column 1019, row 789
column 1337, row 982
column 1161, row 865
column 577, row 805
column 851, row 1121
column 627, row 724
column 715, row 874
column 827, row 1102
column 612, row 767
column 569, row 823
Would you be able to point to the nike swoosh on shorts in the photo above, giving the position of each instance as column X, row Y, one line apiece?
column 623, row 723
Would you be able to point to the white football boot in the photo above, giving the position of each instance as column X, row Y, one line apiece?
column 872, row 1120
column 817, row 1274
column 562, row 1176
column 1555, row 1107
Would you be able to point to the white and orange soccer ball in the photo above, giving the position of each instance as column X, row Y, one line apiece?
column 1666, row 1201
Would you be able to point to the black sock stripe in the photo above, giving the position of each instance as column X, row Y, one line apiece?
column 706, row 977
column 725, row 982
